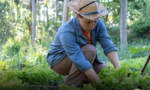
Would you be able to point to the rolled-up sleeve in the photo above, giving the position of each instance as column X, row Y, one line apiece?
column 104, row 40
column 73, row 51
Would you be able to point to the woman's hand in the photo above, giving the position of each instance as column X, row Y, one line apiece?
column 91, row 74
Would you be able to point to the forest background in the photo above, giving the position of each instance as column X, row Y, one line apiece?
column 16, row 26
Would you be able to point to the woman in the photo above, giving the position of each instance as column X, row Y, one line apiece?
column 73, row 51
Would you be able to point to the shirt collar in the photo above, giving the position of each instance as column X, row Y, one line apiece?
column 76, row 25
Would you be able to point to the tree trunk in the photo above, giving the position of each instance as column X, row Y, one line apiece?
column 65, row 11
column 147, row 14
column 34, row 21
column 16, row 14
column 38, row 10
column 47, row 18
column 30, row 24
column 123, row 25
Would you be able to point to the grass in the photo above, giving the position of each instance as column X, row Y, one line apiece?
column 126, row 53
column 26, row 53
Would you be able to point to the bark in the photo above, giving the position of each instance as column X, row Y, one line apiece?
column 123, row 25
column 34, row 21
column 30, row 24
column 146, row 63
column 65, row 11
column 47, row 18
column 40, row 87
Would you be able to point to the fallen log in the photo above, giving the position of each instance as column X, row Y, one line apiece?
column 42, row 87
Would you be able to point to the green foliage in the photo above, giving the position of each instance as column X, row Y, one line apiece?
column 18, row 54
column 38, row 75
column 140, row 17
column 41, row 74
column 3, row 65
column 139, row 49
column 12, row 85
column 130, row 73
column 22, row 65
column 11, row 47
column 17, row 2
column 6, row 19
column 126, row 77
column 138, row 23
column 141, row 28
column 9, row 81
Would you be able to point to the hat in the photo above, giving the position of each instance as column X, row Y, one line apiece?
column 89, row 9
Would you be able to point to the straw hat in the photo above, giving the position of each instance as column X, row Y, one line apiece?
column 89, row 9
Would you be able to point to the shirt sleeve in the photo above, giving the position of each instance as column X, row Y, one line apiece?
column 73, row 51
column 104, row 40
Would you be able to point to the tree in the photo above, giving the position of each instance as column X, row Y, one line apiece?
column 17, row 9
column 65, row 11
column 34, row 21
column 123, row 24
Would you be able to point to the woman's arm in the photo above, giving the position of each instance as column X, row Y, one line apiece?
column 113, row 57
column 91, row 74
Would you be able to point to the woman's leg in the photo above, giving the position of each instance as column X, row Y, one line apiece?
column 97, row 66
column 66, row 67
column 75, row 76
column 63, row 67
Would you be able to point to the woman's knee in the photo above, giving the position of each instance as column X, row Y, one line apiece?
column 98, row 67
column 63, row 67
column 89, row 52
column 90, row 48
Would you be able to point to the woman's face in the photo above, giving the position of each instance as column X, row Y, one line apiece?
column 86, row 24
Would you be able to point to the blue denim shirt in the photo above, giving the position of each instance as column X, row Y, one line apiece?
column 68, row 40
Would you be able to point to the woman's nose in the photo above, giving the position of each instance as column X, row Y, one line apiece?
column 92, row 25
